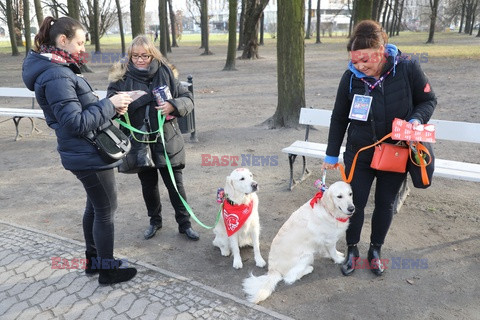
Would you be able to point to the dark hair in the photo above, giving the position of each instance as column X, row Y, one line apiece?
column 51, row 28
column 367, row 34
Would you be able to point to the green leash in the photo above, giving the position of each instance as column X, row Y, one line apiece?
column 161, row 121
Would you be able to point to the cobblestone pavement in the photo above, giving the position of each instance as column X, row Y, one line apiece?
column 31, row 289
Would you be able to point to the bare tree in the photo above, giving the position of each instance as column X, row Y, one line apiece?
column 241, row 26
column 232, row 36
column 309, row 20
column 163, row 32
column 137, row 16
column 96, row 25
column 363, row 10
column 252, row 15
column 38, row 11
column 319, row 22
column 26, row 19
column 204, row 26
column 74, row 9
column 172, row 24
column 120, row 25
column 433, row 19
column 107, row 17
column 8, row 7
column 290, row 63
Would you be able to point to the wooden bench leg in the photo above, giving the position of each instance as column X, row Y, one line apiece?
column 401, row 196
column 16, row 120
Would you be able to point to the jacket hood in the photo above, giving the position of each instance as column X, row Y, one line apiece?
column 391, row 50
column 117, row 71
column 34, row 65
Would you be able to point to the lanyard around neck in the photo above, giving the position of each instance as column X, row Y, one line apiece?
column 380, row 80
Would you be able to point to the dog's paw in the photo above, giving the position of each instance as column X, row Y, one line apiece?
column 225, row 252
column 237, row 264
column 260, row 262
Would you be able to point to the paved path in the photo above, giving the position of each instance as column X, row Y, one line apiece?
column 31, row 289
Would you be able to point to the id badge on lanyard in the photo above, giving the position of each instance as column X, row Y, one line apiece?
column 360, row 107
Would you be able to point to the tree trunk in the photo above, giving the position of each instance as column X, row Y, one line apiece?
column 363, row 10
column 232, row 36
column 26, row 19
column 393, row 24
column 73, row 9
column 379, row 10
column 96, row 24
column 38, row 12
column 167, row 33
column 173, row 24
column 162, row 15
column 137, row 16
column 399, row 24
column 433, row 19
column 387, row 5
column 309, row 20
column 252, row 13
column 204, row 26
column 11, row 28
column 241, row 26
column 120, row 25
column 262, row 28
column 290, row 63
column 319, row 21
column 462, row 16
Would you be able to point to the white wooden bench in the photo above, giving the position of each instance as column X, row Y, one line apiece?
column 17, row 114
column 445, row 130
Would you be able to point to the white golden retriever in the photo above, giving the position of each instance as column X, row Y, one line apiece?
column 240, row 189
column 308, row 231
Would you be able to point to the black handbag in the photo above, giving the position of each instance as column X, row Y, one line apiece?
column 421, row 164
column 110, row 141
column 140, row 156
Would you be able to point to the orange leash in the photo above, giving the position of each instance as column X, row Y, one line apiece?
column 421, row 152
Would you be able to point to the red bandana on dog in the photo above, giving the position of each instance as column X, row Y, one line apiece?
column 235, row 215
column 319, row 196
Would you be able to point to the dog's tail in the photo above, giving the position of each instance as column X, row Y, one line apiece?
column 260, row 288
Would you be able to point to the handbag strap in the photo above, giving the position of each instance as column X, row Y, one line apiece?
column 354, row 163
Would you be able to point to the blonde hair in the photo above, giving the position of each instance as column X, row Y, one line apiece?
column 147, row 44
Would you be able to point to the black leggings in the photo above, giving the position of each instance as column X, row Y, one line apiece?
column 151, row 195
column 98, row 228
column 386, row 189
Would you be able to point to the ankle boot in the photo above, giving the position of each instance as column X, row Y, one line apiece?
column 348, row 265
column 88, row 270
column 374, row 259
column 111, row 276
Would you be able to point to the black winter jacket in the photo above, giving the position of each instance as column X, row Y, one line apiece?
column 71, row 108
column 404, row 94
column 157, row 75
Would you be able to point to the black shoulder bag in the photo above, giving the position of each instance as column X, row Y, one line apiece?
column 110, row 141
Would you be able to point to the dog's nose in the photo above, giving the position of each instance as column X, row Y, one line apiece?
column 254, row 186
column 351, row 209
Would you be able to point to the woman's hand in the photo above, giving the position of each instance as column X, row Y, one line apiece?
column 328, row 166
column 166, row 108
column 121, row 102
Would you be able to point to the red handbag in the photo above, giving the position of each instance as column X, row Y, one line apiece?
column 390, row 157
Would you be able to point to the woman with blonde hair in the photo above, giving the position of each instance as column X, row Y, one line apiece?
column 145, row 69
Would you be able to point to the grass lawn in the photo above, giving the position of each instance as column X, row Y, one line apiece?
column 447, row 44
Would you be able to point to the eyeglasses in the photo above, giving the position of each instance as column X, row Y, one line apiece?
column 144, row 57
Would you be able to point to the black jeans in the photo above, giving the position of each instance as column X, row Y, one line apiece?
column 386, row 189
column 98, row 228
column 151, row 195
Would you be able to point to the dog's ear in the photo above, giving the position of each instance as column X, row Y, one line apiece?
column 229, row 188
column 328, row 201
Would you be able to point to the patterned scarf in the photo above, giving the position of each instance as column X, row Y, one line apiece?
column 62, row 56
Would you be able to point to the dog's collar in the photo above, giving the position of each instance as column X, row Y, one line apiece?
column 319, row 196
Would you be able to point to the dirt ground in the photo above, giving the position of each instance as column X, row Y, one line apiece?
column 438, row 227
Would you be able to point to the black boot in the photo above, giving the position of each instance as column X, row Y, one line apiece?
column 348, row 265
column 88, row 270
column 112, row 273
column 374, row 259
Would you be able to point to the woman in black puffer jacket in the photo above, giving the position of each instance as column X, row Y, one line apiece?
column 399, row 89
column 73, row 110
column 145, row 69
